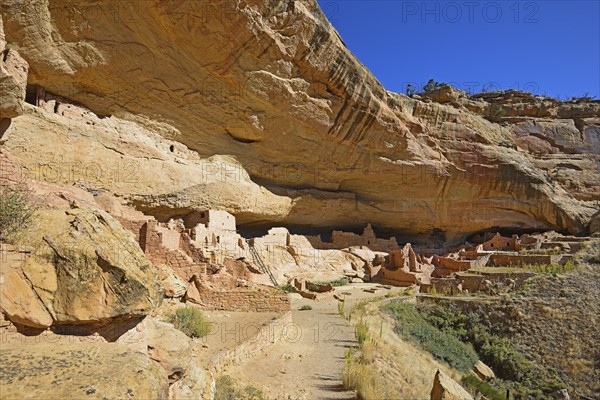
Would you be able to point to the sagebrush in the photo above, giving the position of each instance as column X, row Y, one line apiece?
column 443, row 346
column 16, row 212
column 227, row 389
column 191, row 321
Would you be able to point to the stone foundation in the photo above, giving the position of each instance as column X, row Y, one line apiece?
column 502, row 260
column 251, row 299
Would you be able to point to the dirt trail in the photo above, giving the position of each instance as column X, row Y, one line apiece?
column 307, row 363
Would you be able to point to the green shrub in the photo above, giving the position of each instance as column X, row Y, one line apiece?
column 16, row 212
column 361, row 332
column 305, row 307
column 443, row 346
column 288, row 288
column 569, row 266
column 521, row 375
column 191, row 321
column 476, row 385
column 497, row 112
column 432, row 84
column 340, row 307
column 364, row 378
column 500, row 354
column 550, row 269
column 227, row 389
column 338, row 282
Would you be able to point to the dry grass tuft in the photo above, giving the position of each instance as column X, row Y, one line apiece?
column 366, row 380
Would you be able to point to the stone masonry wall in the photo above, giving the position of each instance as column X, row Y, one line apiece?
column 133, row 226
column 509, row 259
column 451, row 264
column 151, row 242
column 245, row 299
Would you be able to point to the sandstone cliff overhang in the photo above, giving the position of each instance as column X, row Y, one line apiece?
column 273, row 85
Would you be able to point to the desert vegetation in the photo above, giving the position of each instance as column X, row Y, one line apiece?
column 336, row 282
column 411, row 325
column 286, row 287
column 516, row 372
column 227, row 389
column 475, row 385
column 191, row 321
column 359, row 373
column 16, row 212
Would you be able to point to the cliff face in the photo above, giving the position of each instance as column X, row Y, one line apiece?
column 271, row 85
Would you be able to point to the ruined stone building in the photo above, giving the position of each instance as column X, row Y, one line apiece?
column 217, row 232
column 341, row 239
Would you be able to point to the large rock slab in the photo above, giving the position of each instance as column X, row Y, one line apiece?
column 483, row 372
column 79, row 370
column 175, row 352
column 446, row 388
column 83, row 268
column 18, row 300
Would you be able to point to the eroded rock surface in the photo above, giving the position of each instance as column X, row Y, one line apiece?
column 82, row 267
column 79, row 370
column 13, row 79
column 175, row 353
column 446, row 388
column 273, row 85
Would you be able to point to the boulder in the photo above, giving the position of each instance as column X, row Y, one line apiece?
column 444, row 94
column 365, row 254
column 80, row 370
column 172, row 284
column 483, row 372
column 446, row 388
column 174, row 351
column 84, row 269
column 21, row 304
column 192, row 293
column 562, row 394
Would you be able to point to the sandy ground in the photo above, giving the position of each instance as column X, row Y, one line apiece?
column 230, row 329
column 308, row 362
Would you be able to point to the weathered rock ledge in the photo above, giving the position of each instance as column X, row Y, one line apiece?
column 272, row 85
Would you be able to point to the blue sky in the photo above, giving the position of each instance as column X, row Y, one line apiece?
column 546, row 47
